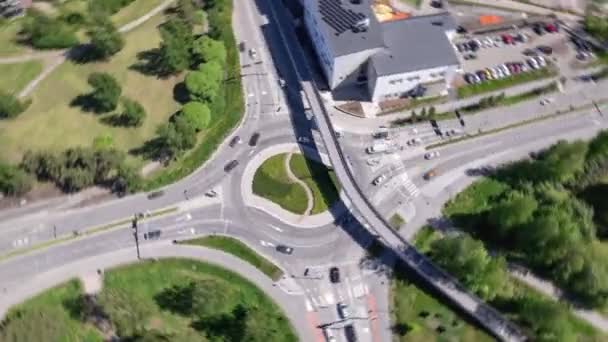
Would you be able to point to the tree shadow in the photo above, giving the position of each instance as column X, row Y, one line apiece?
column 150, row 64
column 87, row 104
column 153, row 149
column 177, row 299
column 180, row 93
column 228, row 327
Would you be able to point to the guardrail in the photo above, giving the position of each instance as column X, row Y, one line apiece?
column 487, row 316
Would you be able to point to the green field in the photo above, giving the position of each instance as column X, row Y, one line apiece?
column 47, row 317
column 240, row 250
column 133, row 11
column 16, row 76
column 320, row 180
column 417, row 317
column 271, row 182
column 493, row 85
column 8, row 38
column 57, row 125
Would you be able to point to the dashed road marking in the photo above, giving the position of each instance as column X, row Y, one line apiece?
column 276, row 228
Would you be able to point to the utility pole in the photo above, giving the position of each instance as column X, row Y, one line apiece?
column 54, row 231
column 135, row 235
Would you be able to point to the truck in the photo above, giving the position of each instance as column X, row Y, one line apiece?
column 377, row 148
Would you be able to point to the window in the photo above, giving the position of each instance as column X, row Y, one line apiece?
column 413, row 78
column 395, row 81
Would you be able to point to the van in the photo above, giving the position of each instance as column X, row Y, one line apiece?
column 376, row 148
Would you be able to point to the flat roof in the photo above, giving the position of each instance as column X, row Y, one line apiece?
column 416, row 43
column 337, row 19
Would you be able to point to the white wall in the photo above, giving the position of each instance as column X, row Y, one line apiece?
column 394, row 86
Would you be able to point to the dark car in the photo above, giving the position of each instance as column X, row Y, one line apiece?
column 334, row 275
column 547, row 50
column 418, row 91
column 437, row 4
column 538, row 29
column 236, row 140
column 153, row 235
column 231, row 165
column 155, row 194
column 242, row 46
column 349, row 332
column 530, row 52
column 284, row 249
column 254, row 139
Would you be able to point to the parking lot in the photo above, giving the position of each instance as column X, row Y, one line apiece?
column 516, row 45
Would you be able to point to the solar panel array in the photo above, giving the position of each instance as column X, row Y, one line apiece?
column 337, row 17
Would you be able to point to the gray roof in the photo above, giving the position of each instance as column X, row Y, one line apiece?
column 337, row 18
column 416, row 43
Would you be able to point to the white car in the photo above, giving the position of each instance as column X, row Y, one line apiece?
column 282, row 83
column 431, row 155
column 343, row 310
column 414, row 142
column 304, row 140
column 211, row 193
column 379, row 180
column 252, row 53
column 329, row 335
column 372, row 162
column 546, row 101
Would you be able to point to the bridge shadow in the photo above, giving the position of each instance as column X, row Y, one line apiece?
column 293, row 69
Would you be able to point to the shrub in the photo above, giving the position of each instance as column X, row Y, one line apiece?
column 10, row 106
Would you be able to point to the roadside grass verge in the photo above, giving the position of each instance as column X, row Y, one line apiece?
column 325, row 189
column 57, row 125
column 493, row 85
column 227, row 110
column 419, row 317
column 271, row 182
column 14, row 77
column 239, row 250
column 49, row 316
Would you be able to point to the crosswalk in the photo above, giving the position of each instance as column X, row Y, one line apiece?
column 409, row 186
column 325, row 294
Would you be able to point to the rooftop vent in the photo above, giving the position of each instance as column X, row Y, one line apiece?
column 361, row 25
column 437, row 23
column 355, row 2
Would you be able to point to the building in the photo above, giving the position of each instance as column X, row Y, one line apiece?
column 390, row 58
column 12, row 8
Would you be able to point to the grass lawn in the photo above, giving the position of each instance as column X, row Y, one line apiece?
column 240, row 250
column 475, row 198
column 48, row 317
column 319, row 179
column 133, row 293
column 8, row 34
column 414, row 3
column 56, row 125
column 493, row 85
column 271, row 182
column 416, row 317
column 16, row 76
column 133, row 11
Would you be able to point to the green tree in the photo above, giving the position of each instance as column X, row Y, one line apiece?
column 75, row 179
column 514, row 210
column 46, row 33
column 127, row 180
column 210, row 50
column 549, row 321
column 14, row 181
column 106, row 91
column 10, row 106
column 597, row 26
column 563, row 161
column 197, row 114
column 106, row 41
column 128, row 313
column 175, row 47
column 204, row 85
column 176, row 136
column 186, row 10
column 598, row 147
column 133, row 114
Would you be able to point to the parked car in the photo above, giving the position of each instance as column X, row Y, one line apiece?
column 547, row 50
column 252, row 53
column 551, row 28
column 231, row 165
column 303, row 140
column 334, row 275
column 254, row 139
column 469, row 56
column 538, row 29
column 546, row 101
column 242, row 46
column 211, row 193
column 284, row 249
column 235, row 141
column 530, row 52
column 380, row 179
column 155, row 194
column 329, row 335
column 349, row 333
column 343, row 310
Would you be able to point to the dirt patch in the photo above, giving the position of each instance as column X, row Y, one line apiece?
column 43, row 191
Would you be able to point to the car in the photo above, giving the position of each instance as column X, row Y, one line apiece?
column 430, row 174
column 541, row 61
column 211, row 193
column 155, row 194
column 252, row 53
column 488, row 42
column 414, row 142
column 533, row 63
column 284, row 249
column 431, row 155
column 373, row 162
column 329, row 335
column 254, row 139
column 281, row 83
column 538, row 29
column 437, row 3
column 334, row 275
column 231, row 165
column 551, row 28
column 242, row 46
column 505, row 69
column 304, row 140
column 469, row 56
column 459, row 47
column 507, row 39
column 546, row 101
column 547, row 50
column 481, row 75
column 235, row 141
column 380, row 179
column 153, row 235
column 349, row 333
column 529, row 52
column 343, row 310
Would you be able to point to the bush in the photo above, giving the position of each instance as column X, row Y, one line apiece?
column 10, row 106
column 14, row 181
column 133, row 114
column 106, row 41
column 106, row 91
column 197, row 114
column 47, row 33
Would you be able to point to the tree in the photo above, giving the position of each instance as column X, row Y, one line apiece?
column 128, row 313
column 106, row 91
column 197, row 114
column 46, row 33
column 14, row 181
column 133, row 114
column 176, row 136
column 204, row 85
column 423, row 112
column 469, row 261
column 549, row 321
column 597, row 26
column 75, row 179
column 45, row 165
column 562, row 161
column 186, row 10
column 175, row 47
column 514, row 210
column 127, row 180
column 10, row 106
column 598, row 147
column 106, row 41
column 210, row 50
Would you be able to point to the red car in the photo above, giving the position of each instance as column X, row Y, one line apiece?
column 551, row 28
column 508, row 39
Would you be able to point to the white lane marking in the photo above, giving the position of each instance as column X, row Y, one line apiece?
column 186, row 217
column 276, row 228
column 192, row 231
column 264, row 92
column 250, row 95
column 263, row 243
column 349, row 289
column 251, row 152
column 308, row 306
column 329, row 298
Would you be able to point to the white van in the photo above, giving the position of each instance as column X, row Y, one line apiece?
column 377, row 148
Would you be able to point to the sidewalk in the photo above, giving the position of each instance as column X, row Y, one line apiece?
column 271, row 208
column 291, row 305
